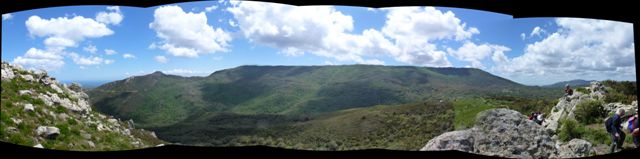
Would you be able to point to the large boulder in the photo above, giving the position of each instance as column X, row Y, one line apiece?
column 575, row 148
column 456, row 140
column 499, row 132
column 49, row 132
column 7, row 73
column 564, row 109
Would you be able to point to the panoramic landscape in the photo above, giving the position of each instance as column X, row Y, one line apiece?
column 325, row 78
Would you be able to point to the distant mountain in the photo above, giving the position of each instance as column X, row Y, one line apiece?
column 157, row 99
column 572, row 83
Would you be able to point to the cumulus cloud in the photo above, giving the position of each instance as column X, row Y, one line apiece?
column 476, row 53
column 128, row 56
column 187, row 34
column 211, row 8
column 113, row 17
column 90, row 48
column 91, row 60
column 161, row 59
column 580, row 48
column 63, row 32
column 109, row 52
column 40, row 59
column 7, row 16
column 407, row 35
column 183, row 72
column 537, row 31
column 523, row 36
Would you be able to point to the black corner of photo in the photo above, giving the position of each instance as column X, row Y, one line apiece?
column 182, row 152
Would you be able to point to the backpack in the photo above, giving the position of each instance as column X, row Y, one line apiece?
column 630, row 123
column 608, row 123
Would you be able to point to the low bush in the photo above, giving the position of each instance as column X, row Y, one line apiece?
column 590, row 111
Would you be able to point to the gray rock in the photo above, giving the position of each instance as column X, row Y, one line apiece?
column 63, row 116
column 613, row 107
column 153, row 134
column 7, row 73
column 113, row 121
column 91, row 144
column 101, row 127
column 76, row 87
column 575, row 148
column 86, row 136
column 47, row 81
column 16, row 121
column 49, row 132
column 39, row 146
column 28, row 78
column 28, row 107
column 12, row 130
column 456, row 140
column 56, row 88
column 25, row 92
column 499, row 132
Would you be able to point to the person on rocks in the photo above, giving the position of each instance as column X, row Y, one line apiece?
column 614, row 128
column 539, row 118
column 567, row 90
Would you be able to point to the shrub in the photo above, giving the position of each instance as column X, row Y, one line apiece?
column 589, row 111
column 570, row 129
column 582, row 90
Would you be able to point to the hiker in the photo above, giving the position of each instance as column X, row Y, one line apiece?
column 567, row 90
column 614, row 127
column 539, row 118
column 533, row 116
column 633, row 128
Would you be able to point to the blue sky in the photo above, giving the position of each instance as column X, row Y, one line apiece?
column 105, row 43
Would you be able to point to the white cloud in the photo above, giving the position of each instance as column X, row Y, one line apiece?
column 91, row 60
column 128, row 56
column 183, row 72
column 476, row 53
column 161, row 59
column 537, row 31
column 579, row 49
column 114, row 17
column 40, row 59
column 211, row 8
column 7, row 16
column 63, row 32
column 523, row 36
column 187, row 34
column 109, row 52
column 91, row 48
column 232, row 23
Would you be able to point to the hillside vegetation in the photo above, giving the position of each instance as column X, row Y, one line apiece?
column 37, row 111
column 157, row 99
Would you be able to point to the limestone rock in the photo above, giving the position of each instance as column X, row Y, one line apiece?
column 27, row 78
column 575, row 148
column 25, row 92
column 49, row 132
column 38, row 146
column 7, row 73
column 456, row 140
column 29, row 107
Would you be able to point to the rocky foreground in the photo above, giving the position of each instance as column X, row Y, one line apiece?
column 39, row 111
column 508, row 133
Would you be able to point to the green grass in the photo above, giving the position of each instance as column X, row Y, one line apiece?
column 466, row 110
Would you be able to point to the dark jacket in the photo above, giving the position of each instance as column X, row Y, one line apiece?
column 616, row 127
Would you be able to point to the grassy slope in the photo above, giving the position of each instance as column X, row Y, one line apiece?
column 70, row 130
column 404, row 127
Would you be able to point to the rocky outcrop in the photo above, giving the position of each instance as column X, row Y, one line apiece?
column 48, row 132
column 46, row 102
column 505, row 133
column 576, row 148
column 564, row 109
column 612, row 107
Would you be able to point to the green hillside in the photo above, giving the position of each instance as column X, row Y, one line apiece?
column 157, row 99
column 402, row 127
